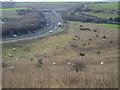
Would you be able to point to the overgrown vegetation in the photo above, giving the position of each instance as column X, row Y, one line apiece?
column 89, row 13
column 29, row 22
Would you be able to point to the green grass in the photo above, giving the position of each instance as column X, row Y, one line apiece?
column 7, row 9
column 50, row 2
column 111, row 25
column 106, row 9
column 104, row 5
column 103, row 15
column 11, row 12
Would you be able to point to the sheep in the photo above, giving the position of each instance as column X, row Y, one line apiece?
column 17, row 58
column 45, row 51
column 10, row 55
column 54, row 63
column 102, row 63
column 11, row 67
column 47, row 48
column 14, row 49
column 69, row 63
column 27, row 45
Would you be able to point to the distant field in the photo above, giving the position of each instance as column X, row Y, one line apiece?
column 46, row 4
column 103, row 15
column 50, row 2
column 11, row 12
column 7, row 9
column 105, row 8
column 104, row 5
column 111, row 25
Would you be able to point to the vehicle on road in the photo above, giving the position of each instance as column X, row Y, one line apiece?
column 59, row 24
column 50, row 31
column 14, row 35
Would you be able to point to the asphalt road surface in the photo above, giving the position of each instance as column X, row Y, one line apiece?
column 52, row 20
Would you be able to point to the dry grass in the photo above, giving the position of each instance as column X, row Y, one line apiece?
column 94, row 75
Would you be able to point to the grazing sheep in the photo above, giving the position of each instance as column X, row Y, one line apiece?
column 102, row 63
column 31, row 59
column 14, row 49
column 45, row 51
column 69, row 63
column 10, row 55
column 11, row 67
column 54, row 63
column 28, row 45
column 17, row 58
column 47, row 48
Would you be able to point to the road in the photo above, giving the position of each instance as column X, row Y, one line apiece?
column 52, row 20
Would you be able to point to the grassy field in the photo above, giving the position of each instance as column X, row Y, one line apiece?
column 11, row 12
column 35, row 68
column 106, row 10
column 104, row 6
column 103, row 15
column 46, row 5
column 110, row 25
column 13, row 9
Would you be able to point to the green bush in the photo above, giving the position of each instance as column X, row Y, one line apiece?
column 78, row 66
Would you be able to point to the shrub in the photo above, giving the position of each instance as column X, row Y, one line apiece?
column 76, row 36
column 111, row 41
column 90, row 39
column 4, row 65
column 97, row 35
column 81, row 54
column 40, row 62
column 98, row 52
column 75, row 46
column 78, row 66
column 104, row 36
column 31, row 59
column 73, row 39
column 84, row 44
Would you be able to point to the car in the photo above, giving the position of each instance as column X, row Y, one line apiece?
column 59, row 24
column 14, row 35
column 50, row 31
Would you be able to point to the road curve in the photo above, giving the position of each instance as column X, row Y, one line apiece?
column 52, row 20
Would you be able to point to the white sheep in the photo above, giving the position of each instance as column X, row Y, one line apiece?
column 54, row 63
column 17, row 58
column 69, row 63
column 102, row 63
column 11, row 67
column 10, row 55
column 14, row 49
column 27, row 45
column 45, row 51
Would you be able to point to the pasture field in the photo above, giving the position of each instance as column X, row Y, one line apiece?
column 45, row 62
column 103, row 15
column 111, row 25
column 11, row 12
column 107, row 10
column 104, row 6
column 46, row 5
column 13, row 9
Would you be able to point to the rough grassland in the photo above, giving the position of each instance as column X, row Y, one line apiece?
column 104, row 5
column 111, row 25
column 10, row 12
column 103, row 15
column 62, row 48
column 106, row 9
